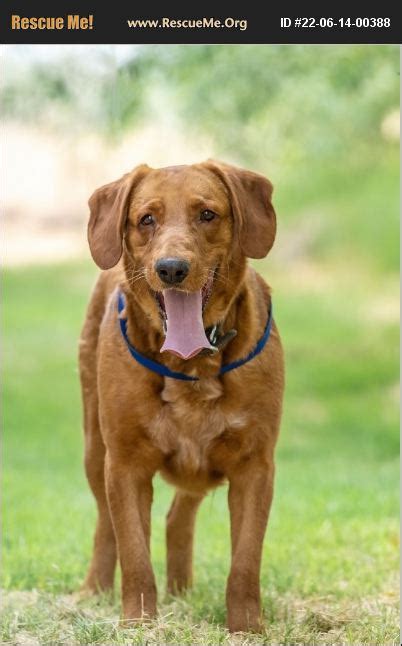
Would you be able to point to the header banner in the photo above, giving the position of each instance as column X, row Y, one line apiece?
column 142, row 23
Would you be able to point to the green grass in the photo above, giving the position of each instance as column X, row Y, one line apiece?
column 330, row 565
column 348, row 208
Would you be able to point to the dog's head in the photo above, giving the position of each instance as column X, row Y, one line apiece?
column 185, row 231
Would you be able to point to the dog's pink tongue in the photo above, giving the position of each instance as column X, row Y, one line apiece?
column 185, row 335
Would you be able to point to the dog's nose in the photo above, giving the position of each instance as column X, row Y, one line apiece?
column 172, row 270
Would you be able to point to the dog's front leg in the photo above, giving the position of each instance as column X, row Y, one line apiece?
column 129, row 490
column 250, row 497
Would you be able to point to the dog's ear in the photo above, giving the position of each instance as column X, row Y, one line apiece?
column 254, row 216
column 109, row 209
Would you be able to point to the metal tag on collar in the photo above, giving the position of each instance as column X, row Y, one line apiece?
column 213, row 334
column 217, row 340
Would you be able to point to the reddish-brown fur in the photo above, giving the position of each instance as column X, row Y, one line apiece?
column 196, row 434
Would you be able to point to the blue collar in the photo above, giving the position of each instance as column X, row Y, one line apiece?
column 164, row 371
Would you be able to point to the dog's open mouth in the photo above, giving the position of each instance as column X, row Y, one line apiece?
column 181, row 312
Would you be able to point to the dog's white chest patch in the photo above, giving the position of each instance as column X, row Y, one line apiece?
column 190, row 418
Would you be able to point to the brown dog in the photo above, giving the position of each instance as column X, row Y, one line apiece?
column 184, row 234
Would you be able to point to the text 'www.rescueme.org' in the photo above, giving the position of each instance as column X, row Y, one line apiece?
column 187, row 23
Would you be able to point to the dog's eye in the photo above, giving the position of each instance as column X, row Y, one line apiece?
column 207, row 215
column 147, row 219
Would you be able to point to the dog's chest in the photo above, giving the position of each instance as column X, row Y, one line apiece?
column 188, row 427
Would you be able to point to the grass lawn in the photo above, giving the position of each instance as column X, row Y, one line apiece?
column 329, row 573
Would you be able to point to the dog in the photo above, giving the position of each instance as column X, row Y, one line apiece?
column 182, row 373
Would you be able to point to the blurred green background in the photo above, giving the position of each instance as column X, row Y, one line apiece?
column 323, row 124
